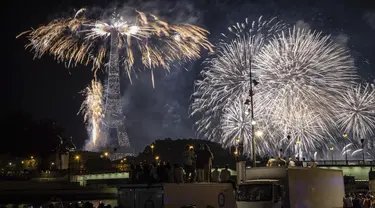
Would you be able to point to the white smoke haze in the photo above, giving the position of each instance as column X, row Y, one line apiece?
column 341, row 39
column 370, row 19
column 303, row 25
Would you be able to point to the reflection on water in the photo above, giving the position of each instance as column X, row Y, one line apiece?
column 66, row 204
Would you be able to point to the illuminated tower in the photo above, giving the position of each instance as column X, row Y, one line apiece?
column 114, row 119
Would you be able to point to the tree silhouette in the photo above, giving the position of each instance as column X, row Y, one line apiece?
column 26, row 136
column 171, row 151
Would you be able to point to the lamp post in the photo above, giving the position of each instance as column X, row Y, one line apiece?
column 288, row 138
column 298, row 149
column 251, row 102
column 345, row 135
column 331, row 148
column 152, row 146
column 363, row 150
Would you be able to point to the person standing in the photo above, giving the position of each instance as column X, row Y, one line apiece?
column 208, row 157
column 200, row 163
column 193, row 167
column 225, row 174
column 216, row 175
column 188, row 157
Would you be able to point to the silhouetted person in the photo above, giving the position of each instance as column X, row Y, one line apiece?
column 216, row 175
column 225, row 174
column 188, row 157
column 304, row 163
column 200, row 163
column 271, row 162
column 207, row 158
column 178, row 174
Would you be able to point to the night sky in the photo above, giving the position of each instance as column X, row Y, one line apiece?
column 45, row 88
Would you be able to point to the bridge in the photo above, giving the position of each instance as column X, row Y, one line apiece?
column 358, row 168
column 82, row 179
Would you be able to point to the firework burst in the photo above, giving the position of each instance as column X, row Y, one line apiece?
column 82, row 40
column 356, row 111
column 226, row 75
column 93, row 112
column 300, row 74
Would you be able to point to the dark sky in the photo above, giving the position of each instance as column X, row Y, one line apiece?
column 47, row 89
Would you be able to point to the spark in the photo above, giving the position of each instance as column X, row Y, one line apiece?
column 300, row 74
column 92, row 109
column 356, row 111
column 81, row 40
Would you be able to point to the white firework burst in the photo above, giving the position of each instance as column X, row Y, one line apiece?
column 301, row 72
column 226, row 75
column 236, row 124
column 355, row 112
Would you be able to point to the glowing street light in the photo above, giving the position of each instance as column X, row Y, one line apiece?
column 253, row 122
column 77, row 157
column 32, row 157
column 258, row 133
column 238, row 140
column 157, row 158
column 10, row 164
column 345, row 135
column 52, row 163
column 106, row 154
column 331, row 148
column 152, row 146
column 191, row 147
column 22, row 162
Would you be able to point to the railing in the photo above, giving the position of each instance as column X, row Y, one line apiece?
column 345, row 163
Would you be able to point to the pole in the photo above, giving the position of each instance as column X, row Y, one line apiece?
column 332, row 156
column 363, row 151
column 346, row 154
column 252, row 119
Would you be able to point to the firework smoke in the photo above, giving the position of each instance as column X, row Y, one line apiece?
column 356, row 112
column 93, row 113
column 300, row 74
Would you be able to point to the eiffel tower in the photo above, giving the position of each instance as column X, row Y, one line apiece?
column 114, row 119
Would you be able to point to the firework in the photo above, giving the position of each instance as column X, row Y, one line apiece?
column 300, row 74
column 236, row 126
column 226, row 75
column 82, row 40
column 356, row 112
column 92, row 109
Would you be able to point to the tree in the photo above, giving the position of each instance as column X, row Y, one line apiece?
column 171, row 151
column 28, row 137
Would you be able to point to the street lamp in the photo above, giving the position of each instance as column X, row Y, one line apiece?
column 298, row 142
column 345, row 135
column 258, row 133
column 157, row 158
column 363, row 150
column 106, row 154
column 331, row 148
column 287, row 146
column 152, row 146
column 251, row 102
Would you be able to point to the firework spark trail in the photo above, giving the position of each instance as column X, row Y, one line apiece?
column 300, row 74
column 236, row 123
column 81, row 40
column 356, row 111
column 227, row 72
column 92, row 109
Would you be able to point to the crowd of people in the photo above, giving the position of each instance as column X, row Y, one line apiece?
column 196, row 167
column 292, row 162
column 359, row 201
